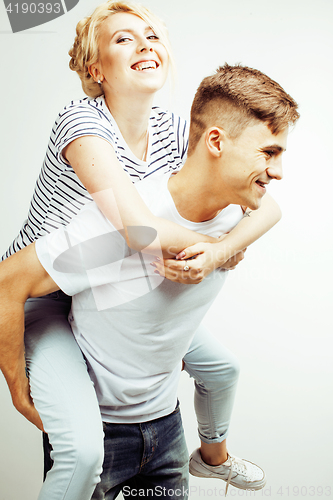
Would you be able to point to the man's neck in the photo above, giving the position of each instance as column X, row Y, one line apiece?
column 193, row 193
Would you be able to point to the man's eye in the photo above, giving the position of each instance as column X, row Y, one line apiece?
column 269, row 153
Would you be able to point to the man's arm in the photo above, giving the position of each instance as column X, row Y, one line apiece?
column 21, row 276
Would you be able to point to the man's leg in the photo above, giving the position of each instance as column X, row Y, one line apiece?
column 164, row 471
column 123, row 450
column 145, row 460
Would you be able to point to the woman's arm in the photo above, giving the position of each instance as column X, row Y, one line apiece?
column 96, row 165
column 226, row 253
column 254, row 225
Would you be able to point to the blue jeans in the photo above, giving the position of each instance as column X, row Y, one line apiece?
column 148, row 460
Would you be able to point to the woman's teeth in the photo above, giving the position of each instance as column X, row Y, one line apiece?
column 144, row 65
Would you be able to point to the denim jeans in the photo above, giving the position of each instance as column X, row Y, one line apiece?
column 148, row 460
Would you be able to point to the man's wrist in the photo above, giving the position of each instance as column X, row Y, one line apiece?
column 16, row 377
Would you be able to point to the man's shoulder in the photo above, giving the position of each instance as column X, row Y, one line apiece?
column 152, row 187
column 228, row 218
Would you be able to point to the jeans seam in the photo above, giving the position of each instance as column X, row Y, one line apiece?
column 149, row 457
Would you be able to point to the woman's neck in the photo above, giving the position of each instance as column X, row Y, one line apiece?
column 132, row 117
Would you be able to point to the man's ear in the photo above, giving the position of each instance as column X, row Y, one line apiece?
column 95, row 73
column 214, row 139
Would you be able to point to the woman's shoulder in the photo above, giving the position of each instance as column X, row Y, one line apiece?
column 83, row 108
column 87, row 116
column 163, row 115
column 163, row 120
column 170, row 128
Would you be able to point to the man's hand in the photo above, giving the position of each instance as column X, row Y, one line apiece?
column 21, row 276
column 23, row 403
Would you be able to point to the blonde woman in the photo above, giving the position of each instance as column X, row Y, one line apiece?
column 99, row 146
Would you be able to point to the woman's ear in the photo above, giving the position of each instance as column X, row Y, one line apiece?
column 214, row 139
column 95, row 73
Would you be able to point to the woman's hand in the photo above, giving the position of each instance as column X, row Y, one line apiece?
column 194, row 263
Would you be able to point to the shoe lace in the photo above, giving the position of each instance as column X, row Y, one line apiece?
column 237, row 465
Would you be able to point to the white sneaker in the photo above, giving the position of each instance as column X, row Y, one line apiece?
column 235, row 471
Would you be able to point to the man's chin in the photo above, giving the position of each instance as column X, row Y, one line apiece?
column 254, row 205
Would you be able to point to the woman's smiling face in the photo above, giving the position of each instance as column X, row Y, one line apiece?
column 132, row 59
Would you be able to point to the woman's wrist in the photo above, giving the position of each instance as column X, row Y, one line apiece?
column 223, row 251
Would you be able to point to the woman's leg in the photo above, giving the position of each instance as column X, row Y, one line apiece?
column 215, row 370
column 65, row 398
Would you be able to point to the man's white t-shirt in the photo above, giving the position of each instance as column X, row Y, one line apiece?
column 133, row 326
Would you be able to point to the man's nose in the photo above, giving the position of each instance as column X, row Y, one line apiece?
column 275, row 169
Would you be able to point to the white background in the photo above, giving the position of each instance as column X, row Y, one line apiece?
column 275, row 310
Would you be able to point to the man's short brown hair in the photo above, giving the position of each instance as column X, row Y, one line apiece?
column 238, row 96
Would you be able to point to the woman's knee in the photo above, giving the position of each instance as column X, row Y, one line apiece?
column 232, row 368
column 226, row 366
column 89, row 456
column 79, row 452
column 221, row 374
column 72, row 468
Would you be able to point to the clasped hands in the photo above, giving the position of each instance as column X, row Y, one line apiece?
column 196, row 262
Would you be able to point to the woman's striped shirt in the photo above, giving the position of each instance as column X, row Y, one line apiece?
column 58, row 193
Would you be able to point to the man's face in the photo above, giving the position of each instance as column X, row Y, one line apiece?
column 250, row 162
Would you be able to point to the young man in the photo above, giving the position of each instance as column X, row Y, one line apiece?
column 133, row 326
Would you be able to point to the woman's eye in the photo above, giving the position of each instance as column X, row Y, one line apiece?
column 123, row 39
column 270, row 154
column 152, row 37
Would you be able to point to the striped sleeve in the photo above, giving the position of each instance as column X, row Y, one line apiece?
column 81, row 119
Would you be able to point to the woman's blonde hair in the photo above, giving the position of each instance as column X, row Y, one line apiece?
column 85, row 52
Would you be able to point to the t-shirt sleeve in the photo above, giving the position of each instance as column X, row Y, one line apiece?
column 78, row 120
column 85, row 254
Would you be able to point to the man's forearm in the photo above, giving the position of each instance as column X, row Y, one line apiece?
column 21, row 276
column 12, row 359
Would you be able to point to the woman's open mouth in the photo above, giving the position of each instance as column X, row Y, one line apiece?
column 145, row 65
